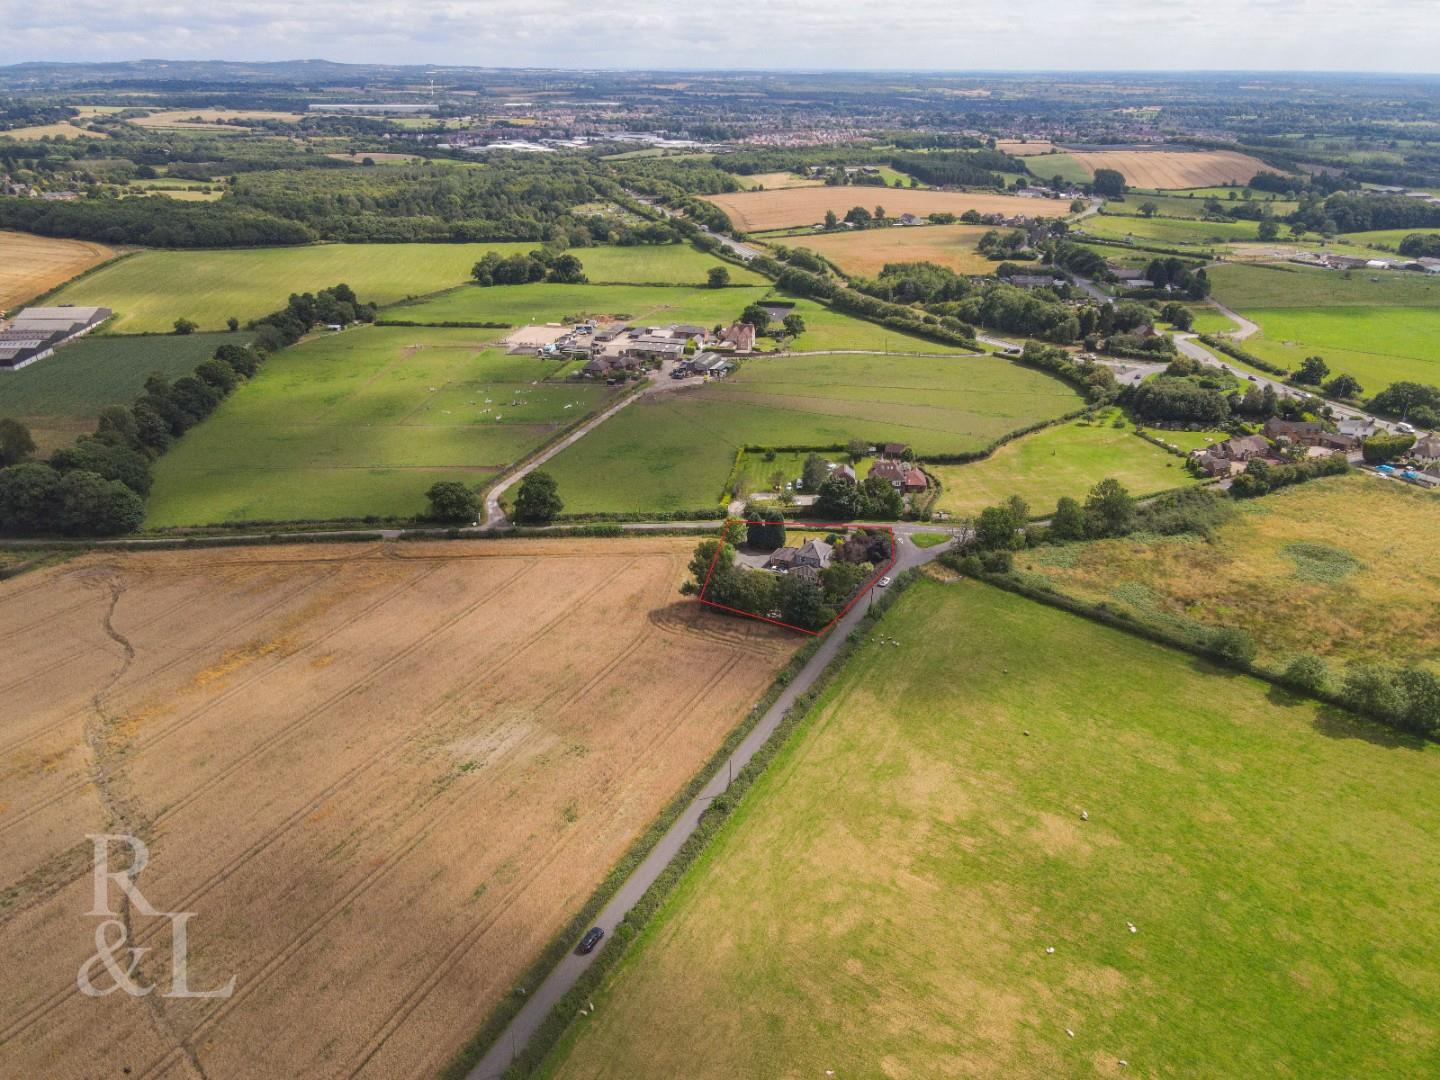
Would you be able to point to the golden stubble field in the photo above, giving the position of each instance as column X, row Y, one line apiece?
column 755, row 211
column 866, row 251
column 382, row 777
column 31, row 265
column 1176, row 169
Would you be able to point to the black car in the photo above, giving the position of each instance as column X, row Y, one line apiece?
column 590, row 940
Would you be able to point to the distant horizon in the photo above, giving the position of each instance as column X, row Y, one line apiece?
column 1390, row 37
column 703, row 70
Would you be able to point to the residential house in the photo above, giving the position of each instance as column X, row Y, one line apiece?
column 891, row 471
column 1243, row 447
column 1031, row 281
column 782, row 558
column 1213, row 464
column 1359, row 429
column 740, row 336
column 1426, row 448
column 814, row 553
column 806, row 573
column 845, row 472
column 1302, row 433
column 893, row 450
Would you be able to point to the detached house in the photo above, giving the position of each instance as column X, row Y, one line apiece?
column 740, row 336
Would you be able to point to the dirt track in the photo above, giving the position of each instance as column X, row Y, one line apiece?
column 382, row 777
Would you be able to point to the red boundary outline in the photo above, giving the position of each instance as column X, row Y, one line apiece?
column 812, row 525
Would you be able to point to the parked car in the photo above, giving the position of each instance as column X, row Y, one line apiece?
column 884, row 581
column 1404, row 428
column 589, row 941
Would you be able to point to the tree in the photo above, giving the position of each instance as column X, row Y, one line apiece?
column 717, row 277
column 185, row 326
column 1109, row 182
column 757, row 317
column 1068, row 522
column 815, row 472
column 537, row 502
column 233, row 323
column 218, row 374
column 566, row 270
column 106, row 460
column 1267, row 230
column 90, row 505
column 800, row 602
column 451, row 500
column 856, row 448
column 1232, row 645
column 1344, row 386
column 1178, row 315
column 704, row 558
column 880, row 500
column 764, row 529
column 794, row 325
column 996, row 528
column 1307, row 673
column 28, row 498
column 1378, row 449
column 16, row 443
column 1149, row 209
column 831, row 221
column 1312, row 371
column 1109, row 509
column 838, row 499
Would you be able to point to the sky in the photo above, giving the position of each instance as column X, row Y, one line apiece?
column 955, row 35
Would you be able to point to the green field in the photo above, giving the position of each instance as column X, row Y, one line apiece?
column 363, row 423
column 882, row 901
column 829, row 329
column 674, row 451
column 1168, row 230
column 1389, row 239
column 60, row 396
column 522, row 304
column 1346, row 568
column 1378, row 345
column 1068, row 459
column 151, row 290
column 1246, row 288
column 1064, row 166
column 1181, row 205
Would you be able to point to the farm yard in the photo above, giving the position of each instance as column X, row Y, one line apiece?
column 865, row 252
column 1067, row 459
column 362, row 423
column 757, row 211
column 911, row 889
column 674, row 451
column 307, row 738
column 1171, row 169
column 61, row 396
column 31, row 265
column 1336, row 570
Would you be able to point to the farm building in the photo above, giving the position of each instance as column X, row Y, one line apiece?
column 739, row 336
column 36, row 332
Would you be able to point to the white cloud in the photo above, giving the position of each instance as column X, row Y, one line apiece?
column 1310, row 35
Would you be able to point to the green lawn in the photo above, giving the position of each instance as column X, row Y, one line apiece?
column 363, row 423
column 522, row 304
column 657, row 264
column 1068, row 459
column 149, row 291
column 59, row 397
column 675, row 451
column 884, row 900
column 829, row 329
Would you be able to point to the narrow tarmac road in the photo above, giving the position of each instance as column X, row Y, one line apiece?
column 563, row 977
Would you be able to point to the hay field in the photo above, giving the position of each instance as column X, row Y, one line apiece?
column 193, row 118
column 756, row 211
column 61, row 128
column 867, row 251
column 1346, row 567
column 774, row 180
column 31, row 265
column 881, row 903
column 382, row 777
column 1170, row 169
column 1029, row 148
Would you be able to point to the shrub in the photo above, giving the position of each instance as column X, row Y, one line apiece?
column 1232, row 645
column 1307, row 673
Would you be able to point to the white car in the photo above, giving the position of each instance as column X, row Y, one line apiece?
column 884, row 581
column 1404, row 428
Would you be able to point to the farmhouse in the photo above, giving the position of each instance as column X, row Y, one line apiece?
column 893, row 450
column 36, row 332
column 1303, row 433
column 1243, row 447
column 739, row 336
column 1426, row 448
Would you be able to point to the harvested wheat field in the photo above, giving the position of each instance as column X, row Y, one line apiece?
column 755, row 211
column 188, row 118
column 866, row 251
column 1027, row 148
column 381, row 776
column 31, row 265
column 1175, row 168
